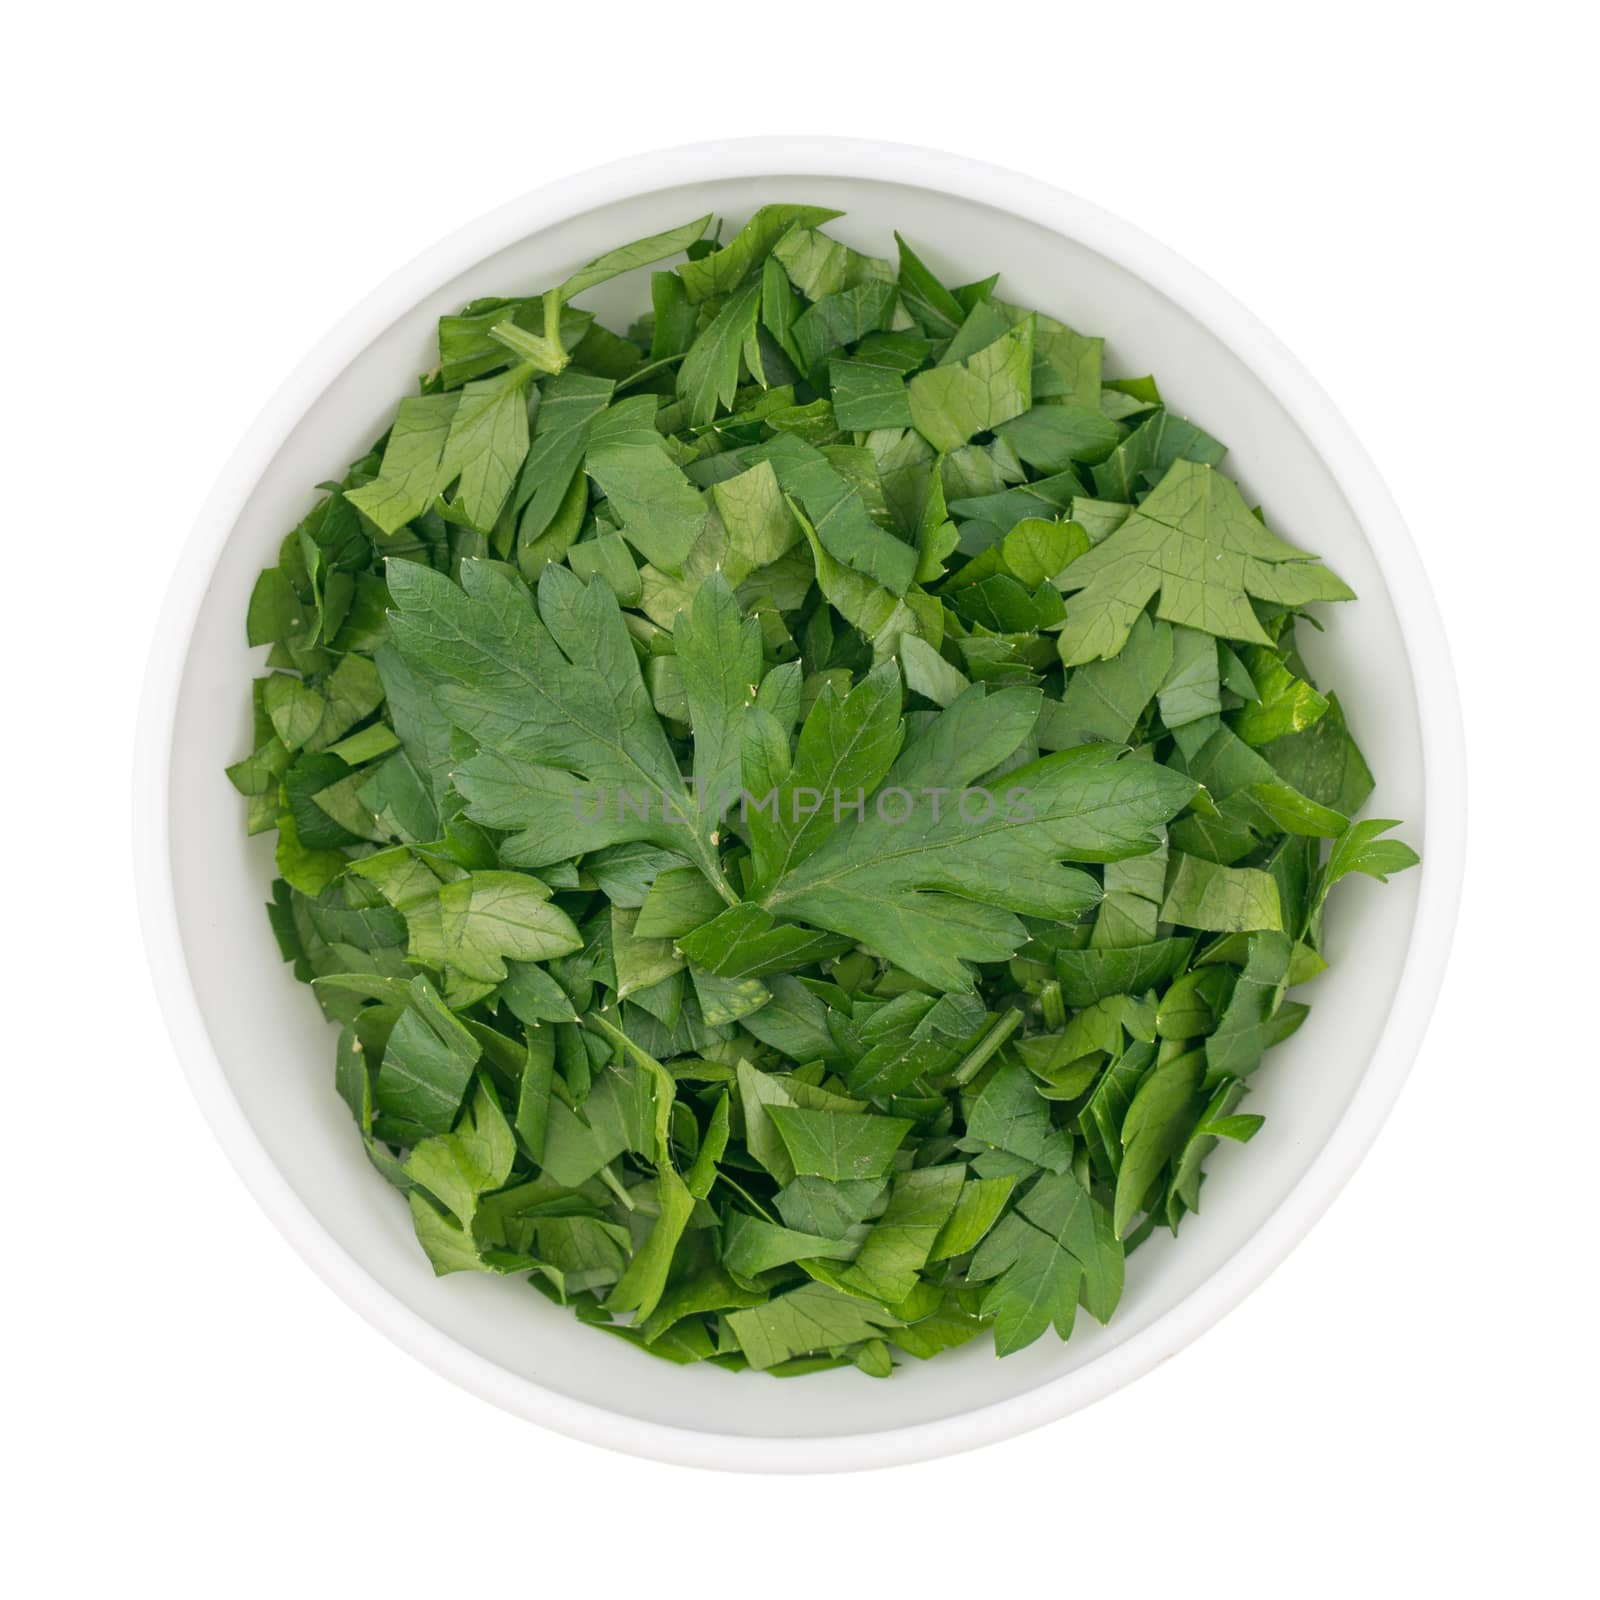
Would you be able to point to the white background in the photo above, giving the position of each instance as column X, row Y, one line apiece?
column 1404, row 193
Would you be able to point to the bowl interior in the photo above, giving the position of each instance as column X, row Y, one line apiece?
column 277, row 1055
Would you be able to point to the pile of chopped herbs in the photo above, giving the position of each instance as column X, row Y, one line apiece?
column 806, row 813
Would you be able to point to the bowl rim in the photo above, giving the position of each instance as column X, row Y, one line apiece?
column 1423, row 637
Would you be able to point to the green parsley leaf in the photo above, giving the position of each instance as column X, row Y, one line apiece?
column 1194, row 543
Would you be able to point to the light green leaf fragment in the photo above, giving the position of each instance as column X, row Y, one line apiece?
column 752, row 1246
column 759, row 523
column 1038, row 1291
column 882, row 616
column 838, row 1145
column 1360, row 849
column 1158, row 1121
column 812, row 1318
column 427, row 1064
column 294, row 707
column 719, row 653
column 902, row 1239
column 458, row 1167
column 628, row 257
column 309, row 870
column 640, row 962
column 659, row 511
column 949, row 404
column 1193, row 688
column 1284, row 704
column 819, row 266
column 408, row 477
column 724, row 270
column 709, row 376
column 488, row 916
column 484, row 449
column 640, row 1288
column 928, row 673
column 1194, row 542
column 1038, row 551
column 977, row 1209
column 1201, row 894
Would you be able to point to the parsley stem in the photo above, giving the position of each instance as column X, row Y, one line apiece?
column 614, row 1184
column 999, row 1031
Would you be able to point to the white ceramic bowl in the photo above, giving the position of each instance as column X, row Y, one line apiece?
column 261, row 1061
